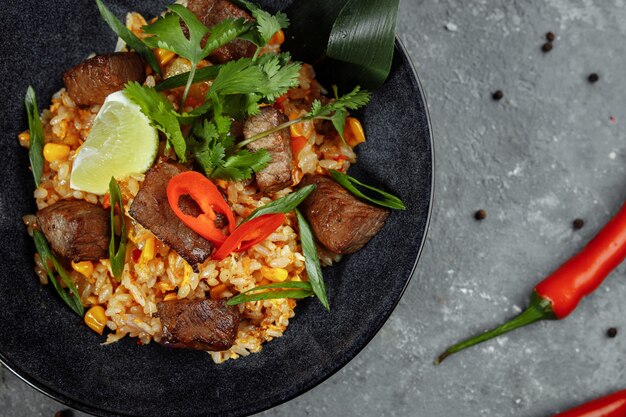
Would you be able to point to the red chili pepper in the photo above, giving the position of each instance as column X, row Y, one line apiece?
column 613, row 405
column 136, row 253
column 208, row 198
column 558, row 295
column 297, row 144
column 249, row 234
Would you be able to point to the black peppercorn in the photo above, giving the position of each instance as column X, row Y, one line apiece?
column 480, row 215
column 497, row 95
column 550, row 36
column 547, row 47
column 578, row 224
column 612, row 332
column 593, row 77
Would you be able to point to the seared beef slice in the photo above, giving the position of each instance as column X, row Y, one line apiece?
column 277, row 174
column 339, row 220
column 152, row 210
column 91, row 81
column 212, row 12
column 198, row 324
column 76, row 229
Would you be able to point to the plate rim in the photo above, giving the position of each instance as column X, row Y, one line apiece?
column 87, row 408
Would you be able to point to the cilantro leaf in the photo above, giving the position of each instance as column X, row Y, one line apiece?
column 266, row 23
column 168, row 34
column 353, row 100
column 160, row 112
column 129, row 37
column 242, row 164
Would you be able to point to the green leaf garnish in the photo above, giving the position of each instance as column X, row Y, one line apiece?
column 209, row 148
column 129, row 37
column 35, row 146
column 353, row 100
column 168, row 34
column 117, row 258
column 363, row 37
column 350, row 41
column 284, row 204
column 311, row 261
column 202, row 74
column 72, row 299
column 388, row 200
column 161, row 113
column 289, row 289
column 266, row 24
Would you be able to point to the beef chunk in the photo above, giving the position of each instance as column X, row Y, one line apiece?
column 91, row 81
column 212, row 12
column 339, row 220
column 152, row 210
column 198, row 324
column 76, row 229
column 277, row 174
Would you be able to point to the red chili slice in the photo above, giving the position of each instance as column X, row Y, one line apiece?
column 208, row 198
column 249, row 234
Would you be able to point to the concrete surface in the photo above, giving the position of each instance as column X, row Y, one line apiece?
column 544, row 155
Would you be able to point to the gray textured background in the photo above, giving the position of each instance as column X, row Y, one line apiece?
column 542, row 156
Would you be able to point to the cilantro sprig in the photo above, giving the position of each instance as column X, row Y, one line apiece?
column 266, row 25
column 168, row 34
column 161, row 113
column 338, row 108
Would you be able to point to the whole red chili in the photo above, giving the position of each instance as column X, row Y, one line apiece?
column 613, row 405
column 557, row 296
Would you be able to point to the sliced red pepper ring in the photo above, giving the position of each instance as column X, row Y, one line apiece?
column 249, row 234
column 208, row 198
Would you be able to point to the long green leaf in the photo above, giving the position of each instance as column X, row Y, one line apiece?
column 284, row 204
column 311, row 261
column 289, row 289
column 35, row 147
column 363, row 36
column 202, row 74
column 117, row 258
column 350, row 42
column 72, row 299
column 347, row 182
column 129, row 37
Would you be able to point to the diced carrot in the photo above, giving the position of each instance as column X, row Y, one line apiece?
column 216, row 292
column 297, row 144
column 106, row 201
column 278, row 38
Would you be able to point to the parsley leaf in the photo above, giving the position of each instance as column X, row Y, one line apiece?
column 160, row 112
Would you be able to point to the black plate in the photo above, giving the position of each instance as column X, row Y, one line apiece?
column 45, row 344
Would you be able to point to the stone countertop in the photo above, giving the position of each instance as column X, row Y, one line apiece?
column 551, row 150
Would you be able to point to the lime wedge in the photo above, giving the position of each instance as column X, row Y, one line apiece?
column 121, row 142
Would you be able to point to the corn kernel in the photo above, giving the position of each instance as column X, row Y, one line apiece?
column 85, row 268
column 274, row 274
column 278, row 38
column 24, row 138
column 354, row 133
column 170, row 296
column 96, row 319
column 147, row 254
column 55, row 152
column 164, row 56
column 216, row 292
